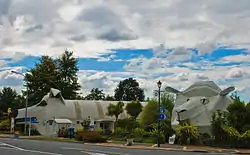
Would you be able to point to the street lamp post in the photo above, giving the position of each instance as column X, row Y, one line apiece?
column 26, row 103
column 159, row 111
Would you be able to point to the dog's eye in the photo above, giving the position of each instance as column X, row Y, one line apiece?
column 188, row 99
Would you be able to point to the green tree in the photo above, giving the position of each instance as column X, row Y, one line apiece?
column 149, row 114
column 109, row 98
column 68, row 83
column 115, row 110
column 237, row 113
column 49, row 73
column 9, row 98
column 219, row 119
column 41, row 79
column 128, row 90
column 134, row 108
column 167, row 100
column 95, row 94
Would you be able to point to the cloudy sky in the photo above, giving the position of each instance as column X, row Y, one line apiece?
column 176, row 41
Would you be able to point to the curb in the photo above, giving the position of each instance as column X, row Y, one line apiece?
column 152, row 147
column 183, row 149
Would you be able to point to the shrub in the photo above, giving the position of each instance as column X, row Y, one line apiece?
column 91, row 137
column 4, row 125
column 62, row 133
column 120, row 132
column 245, row 139
column 154, row 136
column 34, row 132
column 139, row 132
column 99, row 130
column 187, row 133
column 127, row 123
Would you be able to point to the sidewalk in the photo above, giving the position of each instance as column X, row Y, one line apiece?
column 167, row 147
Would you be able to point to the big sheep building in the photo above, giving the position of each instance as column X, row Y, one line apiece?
column 54, row 111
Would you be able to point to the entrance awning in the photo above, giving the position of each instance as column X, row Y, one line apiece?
column 62, row 121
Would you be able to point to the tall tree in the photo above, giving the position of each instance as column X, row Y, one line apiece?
column 115, row 110
column 134, row 108
column 128, row 90
column 95, row 94
column 48, row 73
column 9, row 98
column 40, row 79
column 149, row 114
column 68, row 75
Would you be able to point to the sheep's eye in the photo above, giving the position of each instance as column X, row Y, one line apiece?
column 204, row 101
column 188, row 99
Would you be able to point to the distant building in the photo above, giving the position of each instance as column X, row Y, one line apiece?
column 54, row 112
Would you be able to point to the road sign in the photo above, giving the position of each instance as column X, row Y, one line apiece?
column 33, row 120
column 162, row 109
column 163, row 116
column 27, row 119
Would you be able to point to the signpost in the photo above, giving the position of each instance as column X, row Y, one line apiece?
column 32, row 120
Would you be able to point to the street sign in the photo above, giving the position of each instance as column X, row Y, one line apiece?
column 162, row 109
column 163, row 117
column 33, row 120
column 27, row 119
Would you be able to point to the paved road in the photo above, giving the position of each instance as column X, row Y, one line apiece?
column 35, row 147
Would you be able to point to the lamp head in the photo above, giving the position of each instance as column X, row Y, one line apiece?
column 159, row 84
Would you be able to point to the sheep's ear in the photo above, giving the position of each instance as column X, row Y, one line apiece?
column 227, row 91
column 172, row 90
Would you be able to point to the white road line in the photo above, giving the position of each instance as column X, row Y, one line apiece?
column 41, row 152
column 7, row 148
column 25, row 150
column 12, row 146
column 91, row 153
column 95, row 152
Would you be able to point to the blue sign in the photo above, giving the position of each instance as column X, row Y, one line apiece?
column 27, row 119
column 162, row 109
column 32, row 120
column 50, row 123
column 163, row 117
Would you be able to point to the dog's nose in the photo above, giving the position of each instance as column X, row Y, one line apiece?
column 178, row 114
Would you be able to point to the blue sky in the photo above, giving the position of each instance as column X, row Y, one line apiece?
column 116, row 62
column 122, row 56
column 178, row 42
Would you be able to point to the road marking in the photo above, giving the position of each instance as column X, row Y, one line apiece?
column 41, row 152
column 25, row 150
column 94, row 151
column 11, row 146
column 91, row 153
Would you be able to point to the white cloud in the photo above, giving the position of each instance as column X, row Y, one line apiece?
column 96, row 26
column 237, row 73
column 236, row 58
